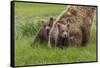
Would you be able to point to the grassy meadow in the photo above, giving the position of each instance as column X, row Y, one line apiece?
column 28, row 18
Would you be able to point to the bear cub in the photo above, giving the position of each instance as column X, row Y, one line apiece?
column 59, row 36
column 45, row 28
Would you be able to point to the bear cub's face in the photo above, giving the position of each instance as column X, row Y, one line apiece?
column 63, row 31
column 47, row 25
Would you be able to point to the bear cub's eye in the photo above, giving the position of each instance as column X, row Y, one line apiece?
column 49, row 25
column 44, row 26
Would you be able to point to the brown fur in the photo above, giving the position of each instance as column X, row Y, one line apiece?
column 59, row 35
column 79, row 19
column 44, row 31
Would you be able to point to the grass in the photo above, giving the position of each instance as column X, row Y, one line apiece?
column 27, row 20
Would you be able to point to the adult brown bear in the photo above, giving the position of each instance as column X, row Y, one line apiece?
column 83, row 19
column 80, row 20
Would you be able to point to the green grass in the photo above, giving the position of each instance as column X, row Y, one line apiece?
column 41, row 54
column 27, row 20
column 37, row 10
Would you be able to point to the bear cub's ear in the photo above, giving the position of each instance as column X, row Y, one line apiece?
column 51, row 19
column 58, row 24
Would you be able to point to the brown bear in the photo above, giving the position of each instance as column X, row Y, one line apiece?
column 44, row 30
column 75, row 34
column 80, row 21
column 84, row 18
column 59, row 35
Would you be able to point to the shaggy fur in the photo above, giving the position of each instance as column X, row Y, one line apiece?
column 80, row 20
column 59, row 35
column 44, row 31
